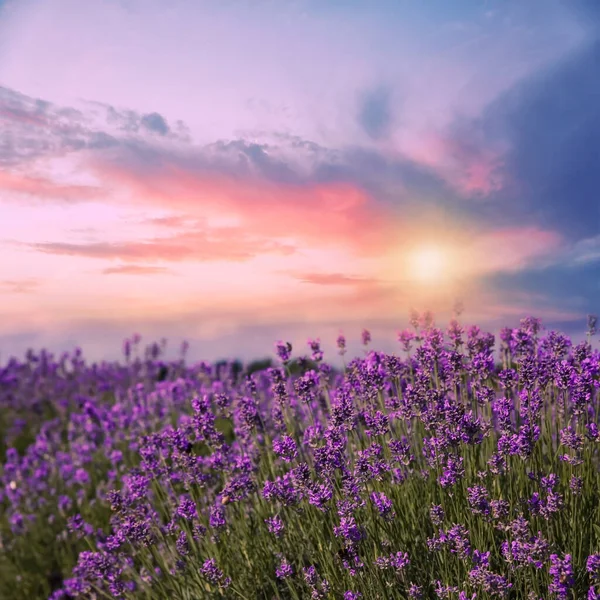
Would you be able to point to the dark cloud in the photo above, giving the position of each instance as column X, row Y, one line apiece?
column 397, row 180
column 125, row 120
column 563, row 286
column 131, row 121
column 250, row 159
column 32, row 128
column 235, row 159
column 20, row 108
column 39, row 131
column 292, row 160
column 375, row 112
column 155, row 123
column 99, row 140
column 551, row 125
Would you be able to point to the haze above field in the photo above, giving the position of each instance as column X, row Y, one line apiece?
column 237, row 172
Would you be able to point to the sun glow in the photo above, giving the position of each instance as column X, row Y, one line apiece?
column 428, row 264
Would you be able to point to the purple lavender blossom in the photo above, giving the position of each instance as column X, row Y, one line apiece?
column 341, row 344
column 186, row 509
column 478, row 498
column 213, row 574
column 384, row 505
column 437, row 514
column 593, row 567
column 397, row 561
column 285, row 448
column 561, row 572
column 283, row 351
column 315, row 347
column 415, row 592
column 366, row 337
column 275, row 525
column 217, row 517
column 284, row 570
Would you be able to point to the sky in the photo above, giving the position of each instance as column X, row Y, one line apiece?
column 235, row 172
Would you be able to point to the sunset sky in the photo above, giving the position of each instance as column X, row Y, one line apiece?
column 236, row 172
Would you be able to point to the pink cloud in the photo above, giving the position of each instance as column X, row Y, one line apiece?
column 513, row 248
column 314, row 214
column 332, row 279
column 278, row 217
column 46, row 188
column 172, row 221
column 479, row 177
column 123, row 251
column 134, row 270
column 229, row 244
column 469, row 168
column 22, row 286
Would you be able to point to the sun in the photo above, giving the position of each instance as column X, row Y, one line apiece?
column 428, row 264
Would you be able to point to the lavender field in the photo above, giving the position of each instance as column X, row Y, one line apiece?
column 445, row 471
column 237, row 240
